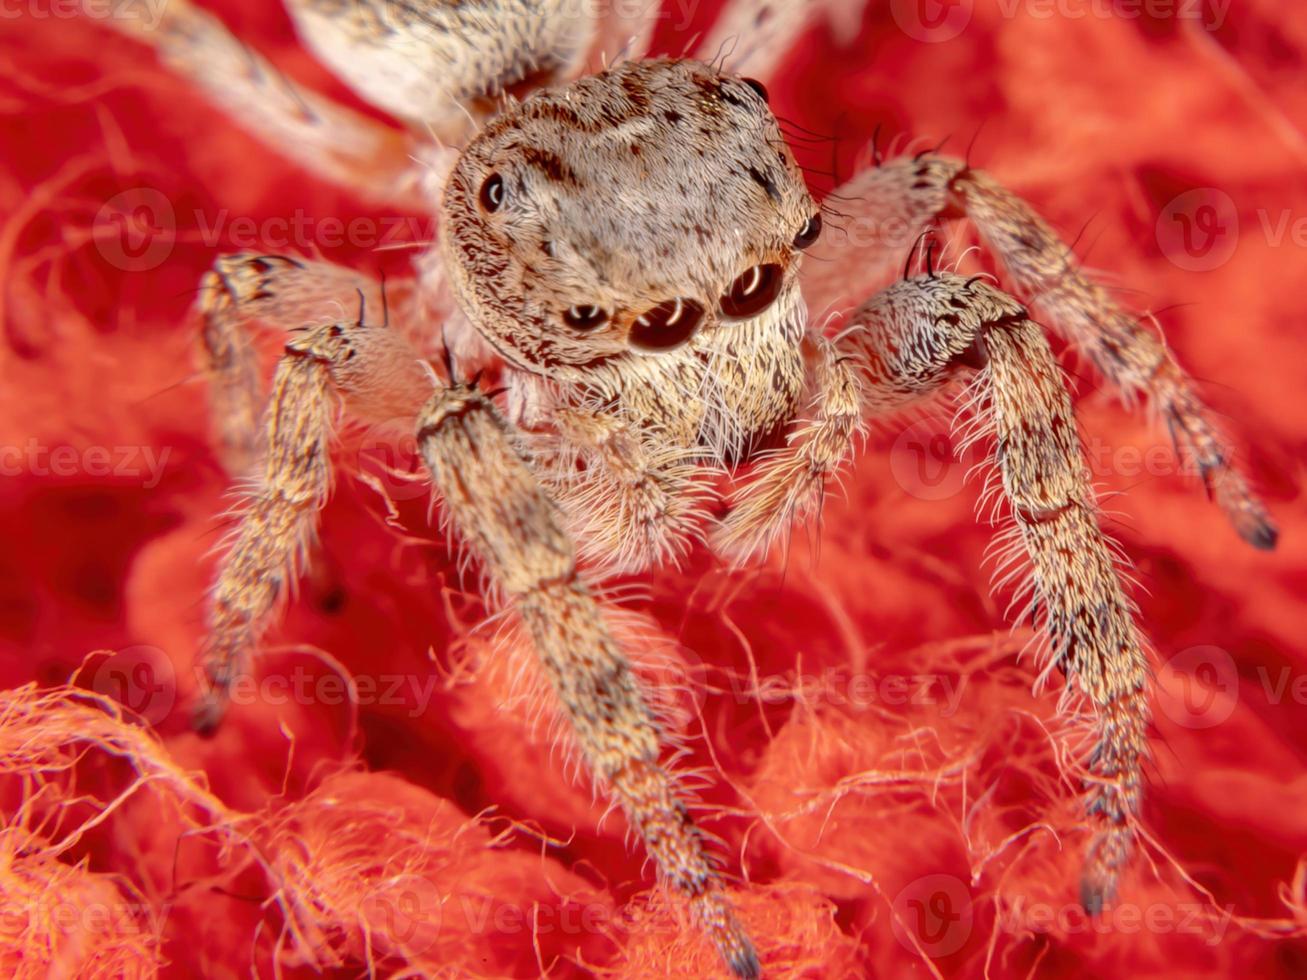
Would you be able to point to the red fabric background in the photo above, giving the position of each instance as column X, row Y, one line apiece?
column 849, row 804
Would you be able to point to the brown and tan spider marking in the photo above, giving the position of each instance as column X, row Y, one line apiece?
column 636, row 251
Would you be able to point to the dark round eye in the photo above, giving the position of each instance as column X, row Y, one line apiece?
column 667, row 325
column 492, row 192
column 586, row 316
column 753, row 291
column 809, row 233
column 758, row 87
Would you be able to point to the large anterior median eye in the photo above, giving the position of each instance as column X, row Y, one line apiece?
column 753, row 291
column 667, row 325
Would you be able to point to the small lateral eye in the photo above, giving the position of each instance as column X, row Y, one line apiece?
column 585, row 316
column 758, row 87
column 492, row 192
column 753, row 291
column 809, row 233
column 669, row 324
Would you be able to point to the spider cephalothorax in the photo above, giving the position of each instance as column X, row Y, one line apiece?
column 580, row 241
column 629, row 245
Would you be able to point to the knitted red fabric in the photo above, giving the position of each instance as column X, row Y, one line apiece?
column 889, row 793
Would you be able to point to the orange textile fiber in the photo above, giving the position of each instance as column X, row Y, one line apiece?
column 892, row 794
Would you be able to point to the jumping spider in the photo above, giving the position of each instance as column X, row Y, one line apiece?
column 635, row 250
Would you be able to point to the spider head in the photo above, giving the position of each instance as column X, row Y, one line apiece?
column 628, row 214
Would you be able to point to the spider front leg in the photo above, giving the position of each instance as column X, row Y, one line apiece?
column 430, row 62
column 752, row 37
column 915, row 338
column 494, row 500
column 1125, row 351
column 789, row 483
column 285, row 293
column 623, row 32
column 327, row 139
column 379, row 377
column 907, row 343
column 902, row 198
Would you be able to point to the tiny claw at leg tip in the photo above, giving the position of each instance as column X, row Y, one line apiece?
column 745, row 965
column 206, row 718
column 1093, row 896
column 1263, row 536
